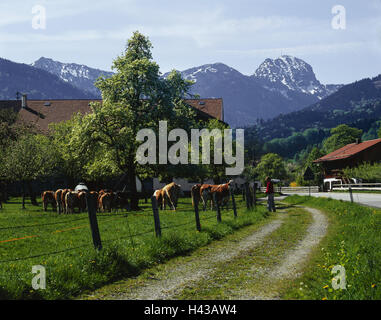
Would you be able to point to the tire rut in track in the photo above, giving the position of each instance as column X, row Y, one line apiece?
column 293, row 259
column 196, row 269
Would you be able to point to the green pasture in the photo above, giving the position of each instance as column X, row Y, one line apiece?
column 353, row 241
column 63, row 244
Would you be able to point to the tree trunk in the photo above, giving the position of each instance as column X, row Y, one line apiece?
column 133, row 189
column 32, row 195
column 23, row 195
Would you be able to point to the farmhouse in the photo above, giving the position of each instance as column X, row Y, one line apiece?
column 43, row 112
column 350, row 156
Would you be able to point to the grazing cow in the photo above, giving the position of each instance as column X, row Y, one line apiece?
column 70, row 201
column 220, row 191
column 81, row 195
column 63, row 199
column 105, row 201
column 74, row 200
column 171, row 193
column 47, row 198
column 57, row 198
column 205, row 195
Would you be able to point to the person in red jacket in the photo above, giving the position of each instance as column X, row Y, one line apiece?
column 270, row 195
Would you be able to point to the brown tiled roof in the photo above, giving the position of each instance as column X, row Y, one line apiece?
column 60, row 110
column 348, row 151
column 213, row 107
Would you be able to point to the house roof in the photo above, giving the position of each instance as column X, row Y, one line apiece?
column 43, row 112
column 212, row 107
column 348, row 151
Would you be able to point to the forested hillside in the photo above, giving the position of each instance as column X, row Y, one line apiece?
column 357, row 104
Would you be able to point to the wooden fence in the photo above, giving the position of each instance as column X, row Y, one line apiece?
column 311, row 189
column 358, row 186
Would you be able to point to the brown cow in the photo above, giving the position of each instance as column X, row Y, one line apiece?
column 105, row 202
column 75, row 199
column 63, row 199
column 171, row 194
column 205, row 195
column 82, row 201
column 221, row 192
column 47, row 198
column 57, row 198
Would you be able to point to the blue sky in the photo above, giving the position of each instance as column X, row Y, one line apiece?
column 239, row 33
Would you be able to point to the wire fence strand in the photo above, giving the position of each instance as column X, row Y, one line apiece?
column 104, row 218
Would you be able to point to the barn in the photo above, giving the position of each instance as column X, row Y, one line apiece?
column 350, row 156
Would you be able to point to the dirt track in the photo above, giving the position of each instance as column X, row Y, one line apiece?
column 166, row 285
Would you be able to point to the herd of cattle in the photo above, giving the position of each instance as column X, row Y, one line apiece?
column 205, row 192
column 67, row 200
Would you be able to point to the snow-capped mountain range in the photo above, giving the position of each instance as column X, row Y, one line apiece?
column 290, row 73
column 277, row 86
column 78, row 75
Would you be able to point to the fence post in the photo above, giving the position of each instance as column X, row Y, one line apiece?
column 233, row 202
column 247, row 195
column 350, row 193
column 217, row 207
column 255, row 195
column 197, row 216
column 251, row 196
column 93, row 221
column 156, row 217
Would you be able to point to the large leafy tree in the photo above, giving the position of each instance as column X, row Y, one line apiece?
column 340, row 137
column 315, row 154
column 271, row 165
column 136, row 97
column 29, row 158
column 10, row 131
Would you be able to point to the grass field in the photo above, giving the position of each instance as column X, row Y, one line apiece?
column 353, row 241
column 63, row 245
